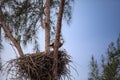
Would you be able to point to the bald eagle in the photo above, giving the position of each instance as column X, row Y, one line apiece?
column 60, row 43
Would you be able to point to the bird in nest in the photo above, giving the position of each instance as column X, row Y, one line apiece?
column 60, row 43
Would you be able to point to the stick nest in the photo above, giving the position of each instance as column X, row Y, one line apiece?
column 38, row 66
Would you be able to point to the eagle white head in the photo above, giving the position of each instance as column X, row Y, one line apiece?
column 61, row 41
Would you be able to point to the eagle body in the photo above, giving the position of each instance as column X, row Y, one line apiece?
column 60, row 44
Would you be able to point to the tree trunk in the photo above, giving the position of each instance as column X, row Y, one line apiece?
column 57, row 38
column 47, row 26
column 10, row 36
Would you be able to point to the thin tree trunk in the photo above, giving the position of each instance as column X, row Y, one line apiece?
column 57, row 38
column 47, row 26
column 10, row 36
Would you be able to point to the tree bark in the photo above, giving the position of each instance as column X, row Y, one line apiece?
column 57, row 39
column 47, row 26
column 10, row 36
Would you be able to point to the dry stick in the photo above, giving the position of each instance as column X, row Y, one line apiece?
column 57, row 38
column 47, row 26
column 6, row 30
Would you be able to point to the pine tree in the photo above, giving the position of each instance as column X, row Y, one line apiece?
column 111, row 70
column 23, row 19
column 94, row 70
column 110, row 67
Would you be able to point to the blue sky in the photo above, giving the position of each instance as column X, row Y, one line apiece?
column 94, row 25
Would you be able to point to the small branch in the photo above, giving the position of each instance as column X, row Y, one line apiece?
column 42, row 13
column 42, row 21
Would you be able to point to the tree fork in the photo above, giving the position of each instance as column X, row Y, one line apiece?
column 6, row 30
column 57, row 39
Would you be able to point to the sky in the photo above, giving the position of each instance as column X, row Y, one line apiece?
column 95, row 23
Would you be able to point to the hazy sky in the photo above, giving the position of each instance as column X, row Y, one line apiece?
column 94, row 25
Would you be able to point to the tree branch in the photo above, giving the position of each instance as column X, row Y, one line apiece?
column 6, row 30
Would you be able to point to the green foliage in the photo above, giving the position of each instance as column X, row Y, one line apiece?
column 94, row 73
column 21, row 17
column 110, row 67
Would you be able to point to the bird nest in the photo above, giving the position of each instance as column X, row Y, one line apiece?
column 38, row 66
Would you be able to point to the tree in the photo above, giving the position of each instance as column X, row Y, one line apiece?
column 110, row 63
column 21, row 20
column 17, row 45
column 111, row 70
column 94, row 70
